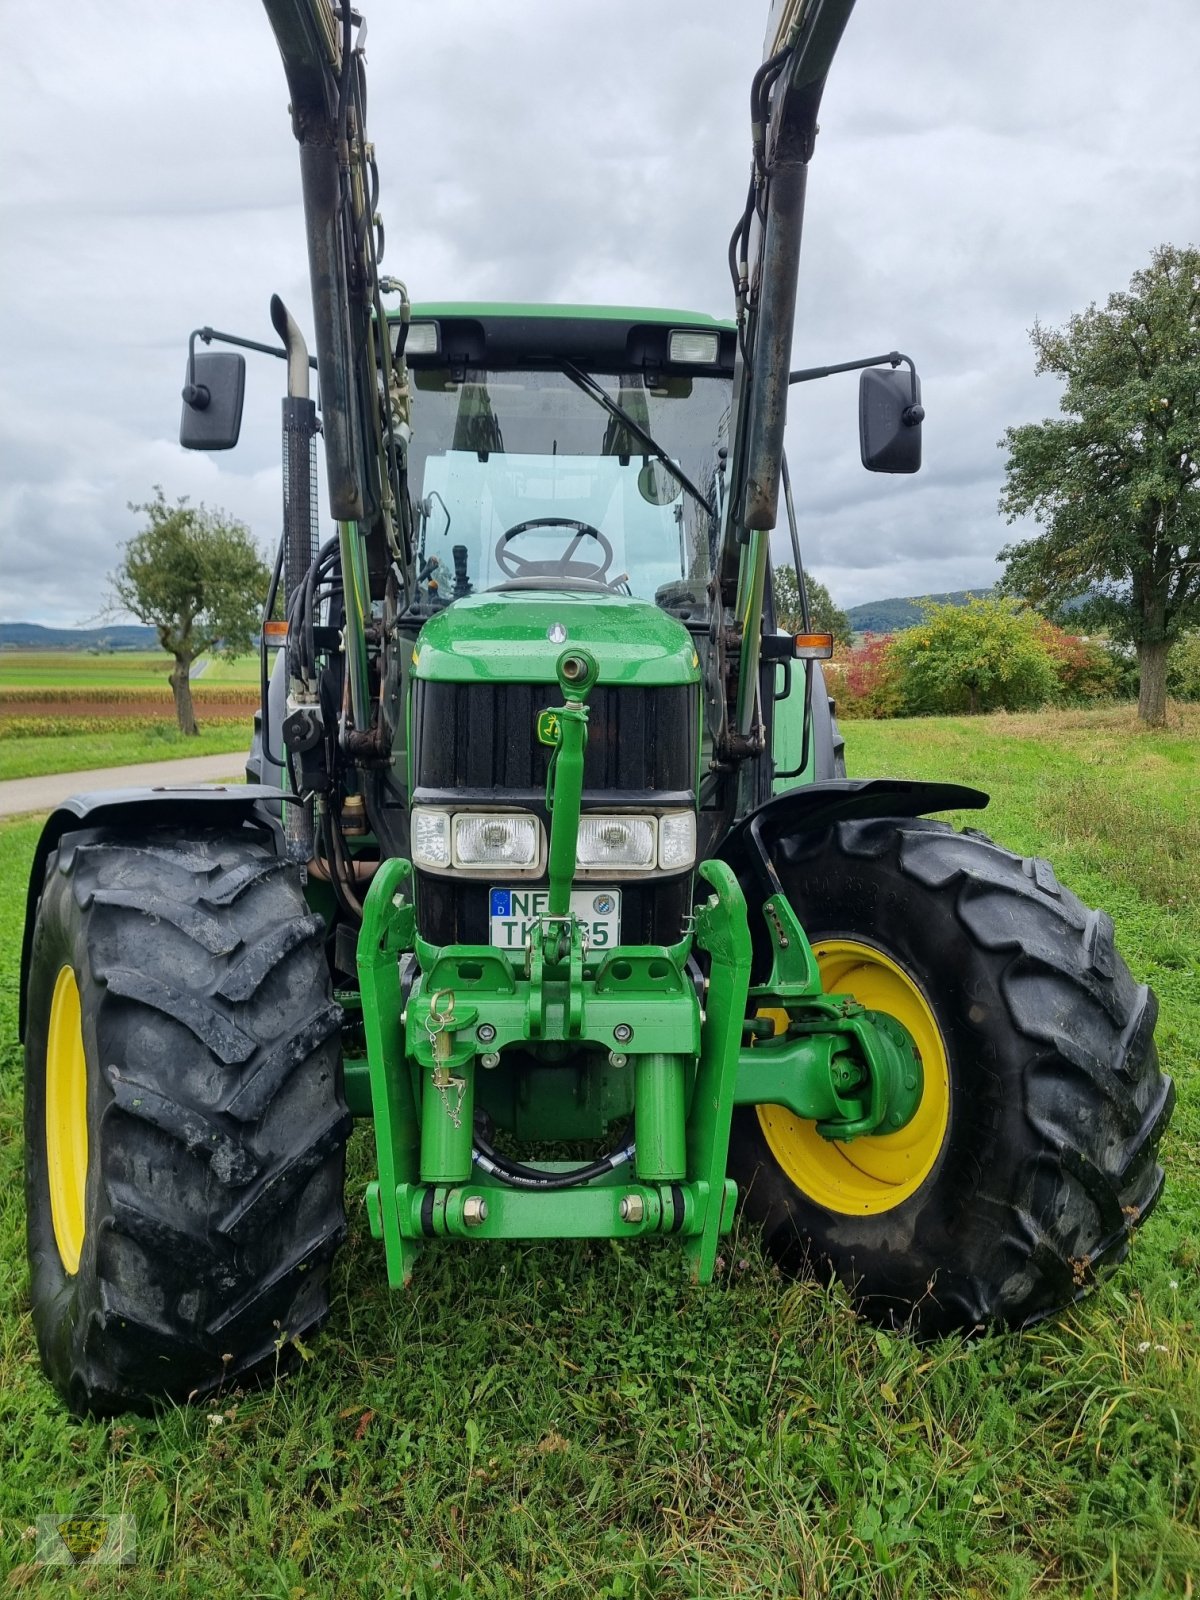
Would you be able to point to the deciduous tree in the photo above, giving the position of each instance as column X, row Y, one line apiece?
column 823, row 615
column 1114, row 482
column 196, row 577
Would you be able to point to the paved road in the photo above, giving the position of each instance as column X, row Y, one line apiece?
column 43, row 794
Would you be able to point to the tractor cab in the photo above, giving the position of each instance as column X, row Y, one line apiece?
column 564, row 448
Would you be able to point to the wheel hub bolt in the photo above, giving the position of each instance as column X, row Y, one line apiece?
column 632, row 1208
column 474, row 1210
column 622, row 1033
column 485, row 1033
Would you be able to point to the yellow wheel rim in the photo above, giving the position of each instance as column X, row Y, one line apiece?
column 869, row 1175
column 66, row 1118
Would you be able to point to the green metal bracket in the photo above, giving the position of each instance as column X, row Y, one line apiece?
column 388, row 930
column 723, row 931
column 565, row 727
column 794, row 971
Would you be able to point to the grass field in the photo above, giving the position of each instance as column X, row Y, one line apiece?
column 567, row 1421
column 121, row 669
column 68, row 711
column 82, row 749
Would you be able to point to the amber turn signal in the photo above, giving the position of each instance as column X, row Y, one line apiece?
column 813, row 646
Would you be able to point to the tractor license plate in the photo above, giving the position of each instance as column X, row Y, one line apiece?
column 514, row 915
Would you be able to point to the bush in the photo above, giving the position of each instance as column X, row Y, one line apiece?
column 1183, row 668
column 985, row 656
column 865, row 680
column 1087, row 670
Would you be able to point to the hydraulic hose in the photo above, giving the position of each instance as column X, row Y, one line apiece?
column 522, row 1177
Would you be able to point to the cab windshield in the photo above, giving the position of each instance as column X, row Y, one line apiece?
column 522, row 478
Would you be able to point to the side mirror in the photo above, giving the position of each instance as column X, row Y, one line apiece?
column 890, row 414
column 213, row 392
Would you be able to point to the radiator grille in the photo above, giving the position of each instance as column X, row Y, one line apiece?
column 476, row 742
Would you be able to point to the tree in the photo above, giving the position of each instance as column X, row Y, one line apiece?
column 196, row 576
column 1114, row 481
column 985, row 656
column 823, row 615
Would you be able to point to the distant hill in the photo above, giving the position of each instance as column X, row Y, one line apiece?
column 890, row 616
column 32, row 636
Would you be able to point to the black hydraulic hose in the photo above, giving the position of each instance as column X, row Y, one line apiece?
column 739, row 241
column 306, row 595
column 343, row 105
column 264, row 724
column 522, row 1177
column 760, row 89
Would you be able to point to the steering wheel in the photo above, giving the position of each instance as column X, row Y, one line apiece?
column 515, row 566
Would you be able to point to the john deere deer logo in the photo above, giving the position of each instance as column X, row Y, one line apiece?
column 84, row 1537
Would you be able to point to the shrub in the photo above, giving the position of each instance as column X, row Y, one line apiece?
column 865, row 680
column 1086, row 669
column 1183, row 668
column 985, row 656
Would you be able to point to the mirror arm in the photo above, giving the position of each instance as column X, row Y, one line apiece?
column 914, row 412
column 195, row 394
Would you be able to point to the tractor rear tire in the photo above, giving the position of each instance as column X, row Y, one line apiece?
column 184, row 1117
column 1033, row 1153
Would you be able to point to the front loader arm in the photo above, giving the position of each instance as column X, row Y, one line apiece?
column 802, row 38
column 362, row 398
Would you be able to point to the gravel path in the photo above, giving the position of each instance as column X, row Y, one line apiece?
column 19, row 795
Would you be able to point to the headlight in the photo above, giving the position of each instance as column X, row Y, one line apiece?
column 622, row 843
column 513, row 843
column 476, row 841
column 693, row 346
column 508, row 841
column 677, row 841
column 430, row 838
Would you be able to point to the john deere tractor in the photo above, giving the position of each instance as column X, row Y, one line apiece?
column 548, row 864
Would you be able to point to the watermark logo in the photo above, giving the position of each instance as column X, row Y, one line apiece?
column 70, row 1541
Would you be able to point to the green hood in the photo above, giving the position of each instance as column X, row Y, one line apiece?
column 503, row 638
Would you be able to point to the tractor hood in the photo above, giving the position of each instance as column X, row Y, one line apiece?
column 518, row 637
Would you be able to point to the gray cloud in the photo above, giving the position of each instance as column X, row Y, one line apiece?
column 977, row 169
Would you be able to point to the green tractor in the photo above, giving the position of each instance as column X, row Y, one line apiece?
column 548, row 864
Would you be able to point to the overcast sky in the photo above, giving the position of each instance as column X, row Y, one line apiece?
column 978, row 167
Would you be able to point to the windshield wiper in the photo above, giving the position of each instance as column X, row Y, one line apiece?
column 585, row 381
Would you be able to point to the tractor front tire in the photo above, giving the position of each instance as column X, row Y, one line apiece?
column 1033, row 1152
column 184, row 1118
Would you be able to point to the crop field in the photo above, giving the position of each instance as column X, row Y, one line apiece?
column 580, row 1421
column 70, row 711
column 118, row 669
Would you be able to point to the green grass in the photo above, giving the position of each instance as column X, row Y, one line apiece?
column 61, row 669
column 579, row 1421
column 242, row 669
column 69, row 668
column 35, row 756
